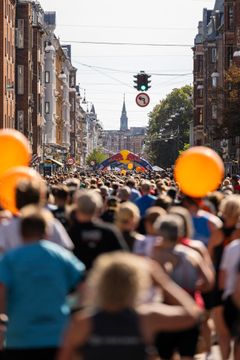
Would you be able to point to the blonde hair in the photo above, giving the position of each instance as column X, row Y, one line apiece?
column 230, row 206
column 186, row 217
column 118, row 279
column 126, row 211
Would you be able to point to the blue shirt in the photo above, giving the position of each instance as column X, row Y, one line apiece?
column 201, row 229
column 135, row 195
column 38, row 276
column 145, row 202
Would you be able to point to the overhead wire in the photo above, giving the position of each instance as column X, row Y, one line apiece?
column 131, row 72
column 127, row 27
column 126, row 43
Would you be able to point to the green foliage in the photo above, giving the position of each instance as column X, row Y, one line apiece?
column 164, row 153
column 186, row 147
column 229, row 127
column 97, row 156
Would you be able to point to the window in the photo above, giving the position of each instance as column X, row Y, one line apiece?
column 72, row 81
column 47, row 107
column 214, row 111
column 200, row 88
column 213, row 55
column 20, row 79
column 72, row 104
column 39, row 104
column 215, row 76
column 229, row 55
column 47, row 77
column 20, row 34
column 199, row 116
column 199, row 63
column 20, row 120
column 230, row 17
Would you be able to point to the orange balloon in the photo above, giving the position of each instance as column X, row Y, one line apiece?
column 130, row 166
column 14, row 150
column 199, row 170
column 138, row 169
column 8, row 184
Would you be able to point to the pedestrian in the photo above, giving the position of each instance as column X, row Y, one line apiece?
column 135, row 194
column 35, row 280
column 186, row 268
column 92, row 237
column 205, row 224
column 124, row 194
column 230, row 214
column 231, row 313
column 201, row 298
column 116, row 326
column 30, row 192
column 144, row 245
column 146, row 200
column 61, row 200
column 127, row 220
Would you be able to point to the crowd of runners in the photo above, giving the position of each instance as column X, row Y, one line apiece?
column 105, row 266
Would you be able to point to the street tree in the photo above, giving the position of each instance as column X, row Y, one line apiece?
column 96, row 157
column 230, row 106
column 168, row 127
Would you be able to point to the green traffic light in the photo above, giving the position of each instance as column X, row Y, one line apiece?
column 143, row 87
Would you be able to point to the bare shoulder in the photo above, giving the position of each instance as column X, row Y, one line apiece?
column 192, row 255
column 198, row 246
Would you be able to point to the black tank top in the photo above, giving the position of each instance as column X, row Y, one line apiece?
column 115, row 336
column 218, row 250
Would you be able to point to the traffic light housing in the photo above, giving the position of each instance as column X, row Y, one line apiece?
column 142, row 81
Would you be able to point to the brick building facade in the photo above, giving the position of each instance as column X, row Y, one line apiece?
column 7, row 63
column 215, row 48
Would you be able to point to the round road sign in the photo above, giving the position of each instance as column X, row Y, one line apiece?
column 142, row 99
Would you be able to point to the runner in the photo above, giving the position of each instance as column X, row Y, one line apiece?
column 115, row 327
column 90, row 236
column 185, row 267
column 35, row 280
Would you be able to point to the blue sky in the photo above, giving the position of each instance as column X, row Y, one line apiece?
column 106, row 72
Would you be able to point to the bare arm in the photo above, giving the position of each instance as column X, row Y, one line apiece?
column 236, row 294
column 215, row 239
column 76, row 335
column 207, row 276
column 175, row 293
column 222, row 279
column 160, row 317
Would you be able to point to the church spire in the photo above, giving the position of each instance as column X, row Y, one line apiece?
column 124, row 118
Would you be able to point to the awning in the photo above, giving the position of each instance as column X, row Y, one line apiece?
column 56, row 162
column 157, row 168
